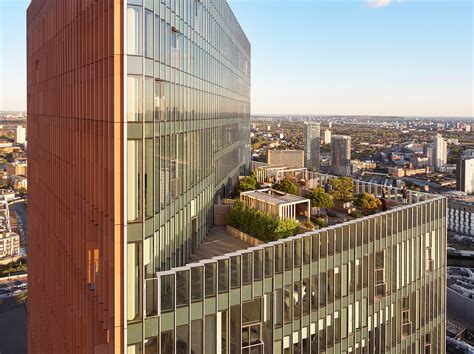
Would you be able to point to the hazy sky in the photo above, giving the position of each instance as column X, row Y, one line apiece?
column 387, row 57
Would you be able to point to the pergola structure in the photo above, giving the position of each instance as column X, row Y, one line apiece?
column 277, row 203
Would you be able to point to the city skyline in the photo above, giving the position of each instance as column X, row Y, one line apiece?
column 391, row 70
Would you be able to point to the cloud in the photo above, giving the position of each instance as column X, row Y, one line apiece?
column 379, row 3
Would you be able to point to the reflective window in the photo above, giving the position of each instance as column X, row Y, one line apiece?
column 258, row 265
column 211, row 334
column 167, row 342
column 133, row 281
column 235, row 272
column 134, row 31
column 210, row 279
column 151, row 297
column 269, row 262
column 149, row 99
column 149, row 33
column 134, row 180
column 182, row 339
column 196, row 337
column 223, row 267
column 148, row 258
column 278, row 259
column 278, row 307
column 167, row 293
column 182, row 288
column 134, row 98
column 151, row 346
column 196, row 284
column 247, row 268
column 314, row 292
column 149, row 177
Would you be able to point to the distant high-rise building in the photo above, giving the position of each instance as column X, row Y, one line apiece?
column 327, row 136
column 20, row 135
column 341, row 155
column 465, row 172
column 440, row 151
column 312, row 142
column 428, row 150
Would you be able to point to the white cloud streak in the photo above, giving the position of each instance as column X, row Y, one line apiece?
column 379, row 3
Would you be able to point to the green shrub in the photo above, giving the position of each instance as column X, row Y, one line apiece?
column 320, row 199
column 357, row 214
column 286, row 186
column 342, row 188
column 320, row 222
column 248, row 183
column 259, row 224
column 367, row 203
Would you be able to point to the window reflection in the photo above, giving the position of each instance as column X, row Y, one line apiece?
column 134, row 31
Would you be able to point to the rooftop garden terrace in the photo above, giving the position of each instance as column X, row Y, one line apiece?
column 324, row 201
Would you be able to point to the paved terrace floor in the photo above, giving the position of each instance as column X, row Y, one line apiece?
column 217, row 243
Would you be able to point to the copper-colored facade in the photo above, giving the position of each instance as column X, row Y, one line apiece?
column 75, row 211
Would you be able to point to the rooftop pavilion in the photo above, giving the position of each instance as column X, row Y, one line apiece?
column 278, row 203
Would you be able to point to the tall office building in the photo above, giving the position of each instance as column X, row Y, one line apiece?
column 327, row 136
column 20, row 135
column 465, row 172
column 138, row 117
column 341, row 155
column 440, row 151
column 312, row 142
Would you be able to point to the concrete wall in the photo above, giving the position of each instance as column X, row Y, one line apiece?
column 461, row 307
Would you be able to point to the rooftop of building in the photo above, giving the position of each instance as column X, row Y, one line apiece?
column 220, row 242
column 272, row 196
column 217, row 243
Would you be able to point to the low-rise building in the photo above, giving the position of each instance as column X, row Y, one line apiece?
column 9, row 244
column 18, row 182
column 294, row 158
column 408, row 172
column 17, row 168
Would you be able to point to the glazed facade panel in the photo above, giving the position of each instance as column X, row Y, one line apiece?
column 188, row 116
